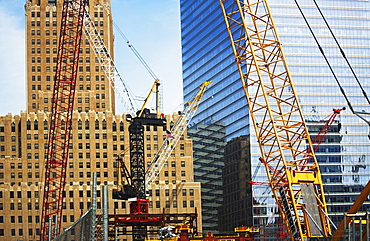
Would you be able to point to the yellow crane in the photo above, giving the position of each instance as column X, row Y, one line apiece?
column 292, row 169
column 174, row 135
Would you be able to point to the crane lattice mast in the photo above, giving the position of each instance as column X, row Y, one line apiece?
column 61, row 116
column 281, row 132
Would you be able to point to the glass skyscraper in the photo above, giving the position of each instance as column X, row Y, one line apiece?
column 344, row 155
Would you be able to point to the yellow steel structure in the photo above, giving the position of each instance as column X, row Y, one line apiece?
column 283, row 137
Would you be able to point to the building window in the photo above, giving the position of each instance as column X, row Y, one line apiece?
column 191, row 192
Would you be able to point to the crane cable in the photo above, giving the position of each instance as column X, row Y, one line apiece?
column 328, row 63
column 323, row 54
column 135, row 52
column 142, row 61
column 342, row 52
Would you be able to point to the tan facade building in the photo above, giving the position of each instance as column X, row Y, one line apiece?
column 98, row 136
column 43, row 19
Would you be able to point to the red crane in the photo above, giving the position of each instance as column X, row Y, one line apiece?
column 61, row 116
column 319, row 138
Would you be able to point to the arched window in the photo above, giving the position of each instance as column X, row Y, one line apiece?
column 28, row 125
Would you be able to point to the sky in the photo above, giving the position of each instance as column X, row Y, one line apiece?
column 151, row 26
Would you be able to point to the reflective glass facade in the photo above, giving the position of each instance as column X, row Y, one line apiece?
column 344, row 157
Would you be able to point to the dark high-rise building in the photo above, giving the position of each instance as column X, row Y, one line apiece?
column 208, row 163
column 237, row 208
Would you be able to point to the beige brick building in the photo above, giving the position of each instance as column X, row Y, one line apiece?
column 98, row 136
column 42, row 36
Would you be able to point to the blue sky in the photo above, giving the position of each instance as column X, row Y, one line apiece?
column 152, row 26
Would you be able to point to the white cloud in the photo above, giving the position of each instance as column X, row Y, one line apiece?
column 12, row 63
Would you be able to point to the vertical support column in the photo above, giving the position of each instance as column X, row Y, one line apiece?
column 56, row 226
column 105, row 213
column 49, row 229
column 93, row 208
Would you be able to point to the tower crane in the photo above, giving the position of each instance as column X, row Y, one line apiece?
column 61, row 116
column 277, row 117
column 137, row 179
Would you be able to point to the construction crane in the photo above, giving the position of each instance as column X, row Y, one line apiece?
column 318, row 138
column 316, row 142
column 74, row 18
column 137, row 179
column 174, row 135
column 171, row 139
column 61, row 117
column 277, row 117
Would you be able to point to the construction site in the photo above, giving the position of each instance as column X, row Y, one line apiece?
column 71, row 168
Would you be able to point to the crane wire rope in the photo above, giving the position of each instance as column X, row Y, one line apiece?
column 324, row 55
column 141, row 59
column 342, row 52
column 137, row 54
column 330, row 67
